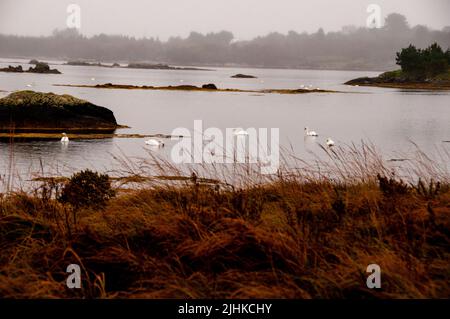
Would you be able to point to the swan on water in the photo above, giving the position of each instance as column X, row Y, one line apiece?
column 330, row 142
column 64, row 138
column 310, row 133
column 154, row 142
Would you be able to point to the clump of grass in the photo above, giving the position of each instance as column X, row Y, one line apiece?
column 302, row 233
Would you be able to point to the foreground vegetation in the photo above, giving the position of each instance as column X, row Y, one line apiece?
column 292, row 237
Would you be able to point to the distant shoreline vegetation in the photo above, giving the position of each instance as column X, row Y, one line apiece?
column 427, row 68
column 134, row 65
column 352, row 48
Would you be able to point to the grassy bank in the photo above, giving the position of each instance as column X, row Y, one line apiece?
column 295, row 236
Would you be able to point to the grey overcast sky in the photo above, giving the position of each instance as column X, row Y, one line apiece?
column 245, row 18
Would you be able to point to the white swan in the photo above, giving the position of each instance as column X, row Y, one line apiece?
column 310, row 133
column 154, row 142
column 64, row 138
column 330, row 142
column 240, row 132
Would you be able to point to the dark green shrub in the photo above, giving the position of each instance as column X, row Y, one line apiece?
column 418, row 64
column 87, row 189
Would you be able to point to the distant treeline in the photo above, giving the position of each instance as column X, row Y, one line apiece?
column 350, row 48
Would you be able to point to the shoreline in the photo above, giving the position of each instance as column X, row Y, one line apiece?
column 407, row 86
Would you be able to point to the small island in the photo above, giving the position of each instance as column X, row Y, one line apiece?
column 29, row 111
column 427, row 69
column 243, row 76
column 40, row 67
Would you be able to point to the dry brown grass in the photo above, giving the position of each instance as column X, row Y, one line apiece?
column 299, row 235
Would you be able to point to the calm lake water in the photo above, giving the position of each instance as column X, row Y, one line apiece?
column 388, row 118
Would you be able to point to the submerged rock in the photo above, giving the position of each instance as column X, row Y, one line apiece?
column 243, row 76
column 36, row 111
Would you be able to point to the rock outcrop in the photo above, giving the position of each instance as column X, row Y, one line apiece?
column 37, row 112
column 209, row 86
column 40, row 67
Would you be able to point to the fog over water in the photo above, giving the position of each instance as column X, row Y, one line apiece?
column 246, row 19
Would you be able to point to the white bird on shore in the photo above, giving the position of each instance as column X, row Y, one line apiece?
column 64, row 138
column 240, row 132
column 154, row 142
column 310, row 133
column 330, row 142
column 92, row 79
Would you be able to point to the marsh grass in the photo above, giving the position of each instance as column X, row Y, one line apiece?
column 218, row 231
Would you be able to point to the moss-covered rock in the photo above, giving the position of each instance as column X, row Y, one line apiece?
column 36, row 111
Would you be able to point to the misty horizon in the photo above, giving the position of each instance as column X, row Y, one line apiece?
column 351, row 48
column 245, row 20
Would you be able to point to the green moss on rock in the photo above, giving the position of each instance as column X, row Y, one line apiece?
column 29, row 110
